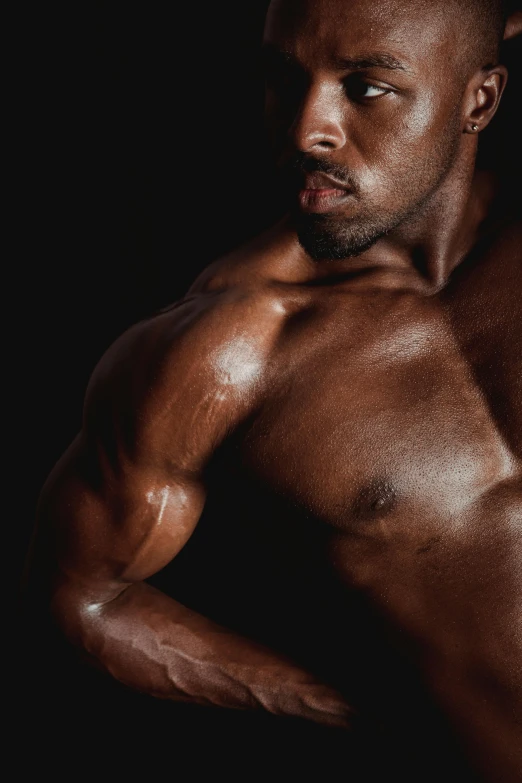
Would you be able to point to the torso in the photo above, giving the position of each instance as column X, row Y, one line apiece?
column 378, row 496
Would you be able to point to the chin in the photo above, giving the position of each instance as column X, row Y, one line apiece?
column 325, row 238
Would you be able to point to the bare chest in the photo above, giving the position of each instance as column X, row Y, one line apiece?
column 396, row 411
column 394, row 426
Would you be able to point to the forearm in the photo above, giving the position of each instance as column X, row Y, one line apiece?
column 152, row 643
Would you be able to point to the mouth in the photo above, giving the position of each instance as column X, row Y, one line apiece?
column 322, row 194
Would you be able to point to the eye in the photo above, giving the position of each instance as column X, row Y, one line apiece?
column 371, row 91
column 359, row 89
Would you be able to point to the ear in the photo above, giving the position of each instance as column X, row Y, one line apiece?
column 484, row 93
column 513, row 25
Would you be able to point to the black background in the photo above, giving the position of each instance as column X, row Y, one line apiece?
column 144, row 159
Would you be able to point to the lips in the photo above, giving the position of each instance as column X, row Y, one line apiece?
column 319, row 181
column 322, row 194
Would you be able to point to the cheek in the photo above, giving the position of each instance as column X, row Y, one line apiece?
column 427, row 119
column 401, row 128
column 389, row 145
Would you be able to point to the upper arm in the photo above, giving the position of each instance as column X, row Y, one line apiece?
column 129, row 492
column 108, row 525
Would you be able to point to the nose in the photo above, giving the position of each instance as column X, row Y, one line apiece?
column 318, row 124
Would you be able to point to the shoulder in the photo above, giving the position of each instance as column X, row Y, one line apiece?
column 505, row 256
column 186, row 377
column 510, row 229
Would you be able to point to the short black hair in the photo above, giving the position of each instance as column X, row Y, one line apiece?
column 486, row 24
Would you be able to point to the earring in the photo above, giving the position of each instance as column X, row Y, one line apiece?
column 474, row 128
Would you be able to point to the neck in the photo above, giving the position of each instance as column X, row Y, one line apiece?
column 433, row 242
column 429, row 246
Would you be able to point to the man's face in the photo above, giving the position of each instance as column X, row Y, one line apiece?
column 363, row 107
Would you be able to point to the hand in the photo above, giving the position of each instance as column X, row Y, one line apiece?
column 327, row 706
column 307, row 698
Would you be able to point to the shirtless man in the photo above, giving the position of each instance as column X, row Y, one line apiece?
column 349, row 387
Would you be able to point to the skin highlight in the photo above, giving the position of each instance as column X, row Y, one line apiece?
column 348, row 387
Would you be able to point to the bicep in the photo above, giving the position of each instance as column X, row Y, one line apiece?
column 106, row 529
column 162, row 400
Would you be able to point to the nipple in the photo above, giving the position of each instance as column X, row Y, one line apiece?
column 375, row 500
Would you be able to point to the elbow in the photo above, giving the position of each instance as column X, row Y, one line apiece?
column 60, row 613
column 78, row 615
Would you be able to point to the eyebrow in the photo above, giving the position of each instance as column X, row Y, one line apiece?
column 374, row 60
column 363, row 62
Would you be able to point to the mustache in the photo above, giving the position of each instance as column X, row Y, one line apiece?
column 294, row 169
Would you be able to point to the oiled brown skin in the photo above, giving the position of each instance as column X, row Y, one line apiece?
column 372, row 419
column 391, row 419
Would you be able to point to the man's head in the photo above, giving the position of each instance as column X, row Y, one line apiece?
column 372, row 103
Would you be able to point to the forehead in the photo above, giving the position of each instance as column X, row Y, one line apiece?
column 414, row 31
